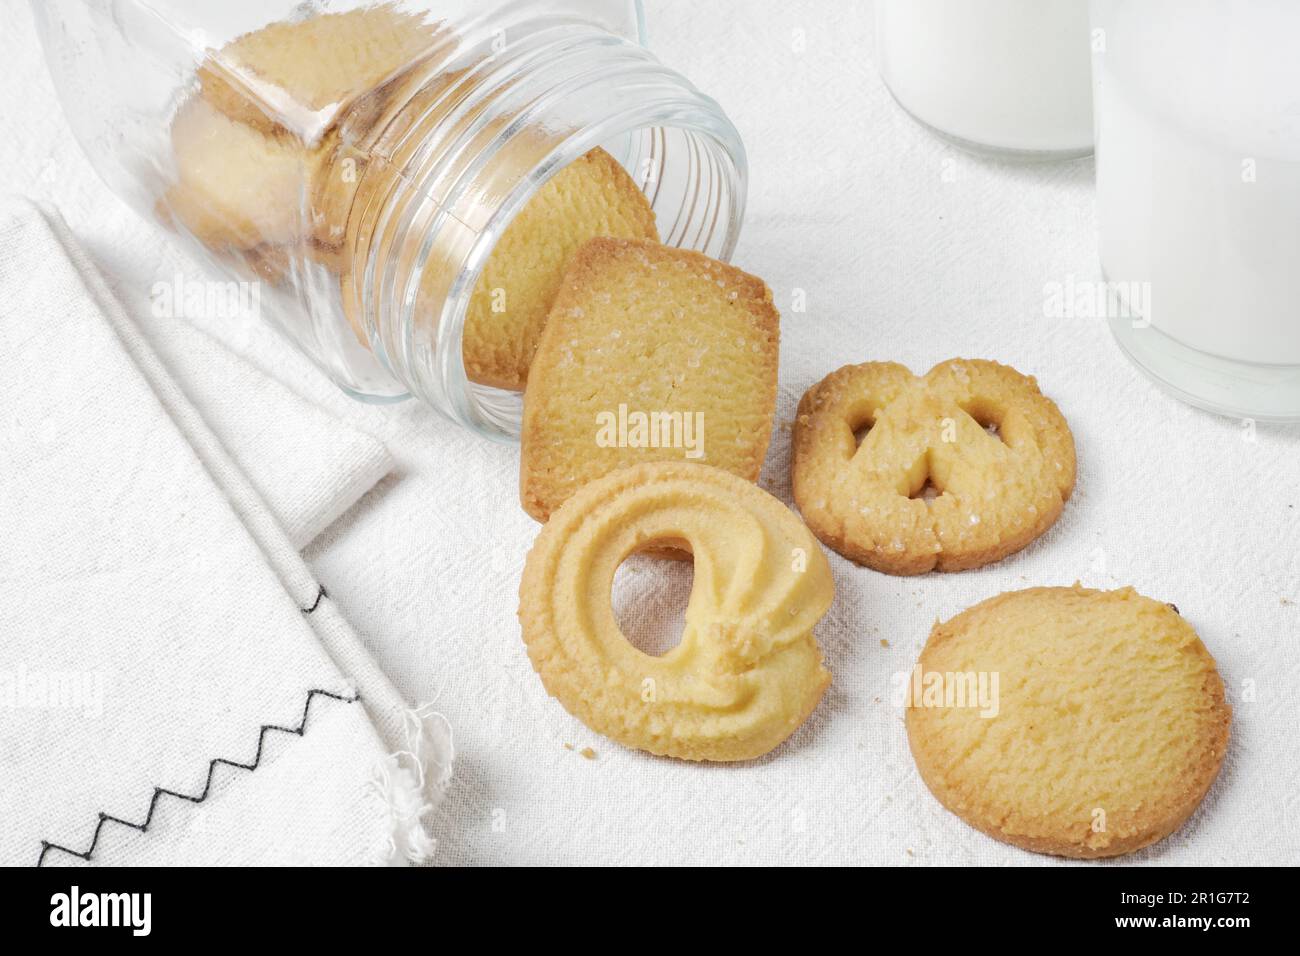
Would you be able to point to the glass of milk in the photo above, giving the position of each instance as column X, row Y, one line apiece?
column 1198, row 195
column 1009, row 77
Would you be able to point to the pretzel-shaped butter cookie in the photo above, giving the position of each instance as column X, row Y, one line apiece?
column 747, row 672
column 930, row 486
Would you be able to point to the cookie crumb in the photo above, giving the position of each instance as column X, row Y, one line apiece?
column 568, row 746
column 884, row 643
column 588, row 753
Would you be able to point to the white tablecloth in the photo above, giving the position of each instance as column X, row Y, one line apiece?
column 908, row 250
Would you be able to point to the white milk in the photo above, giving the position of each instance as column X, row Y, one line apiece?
column 1003, row 74
column 1198, row 169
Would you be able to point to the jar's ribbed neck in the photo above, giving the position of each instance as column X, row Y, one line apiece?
column 483, row 129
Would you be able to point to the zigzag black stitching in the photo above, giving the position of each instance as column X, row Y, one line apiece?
column 104, row 818
column 320, row 596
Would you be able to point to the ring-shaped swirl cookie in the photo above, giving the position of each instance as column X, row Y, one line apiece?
column 747, row 672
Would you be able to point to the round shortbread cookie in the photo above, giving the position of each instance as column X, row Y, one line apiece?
column 1097, row 724
column 747, row 672
column 957, row 469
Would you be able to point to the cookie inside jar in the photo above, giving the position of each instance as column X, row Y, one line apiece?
column 411, row 190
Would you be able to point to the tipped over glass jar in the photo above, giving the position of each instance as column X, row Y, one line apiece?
column 401, row 178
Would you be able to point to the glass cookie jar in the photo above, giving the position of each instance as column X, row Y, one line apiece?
column 361, row 161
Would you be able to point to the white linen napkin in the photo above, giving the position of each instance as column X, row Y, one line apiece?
column 177, row 687
column 304, row 464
